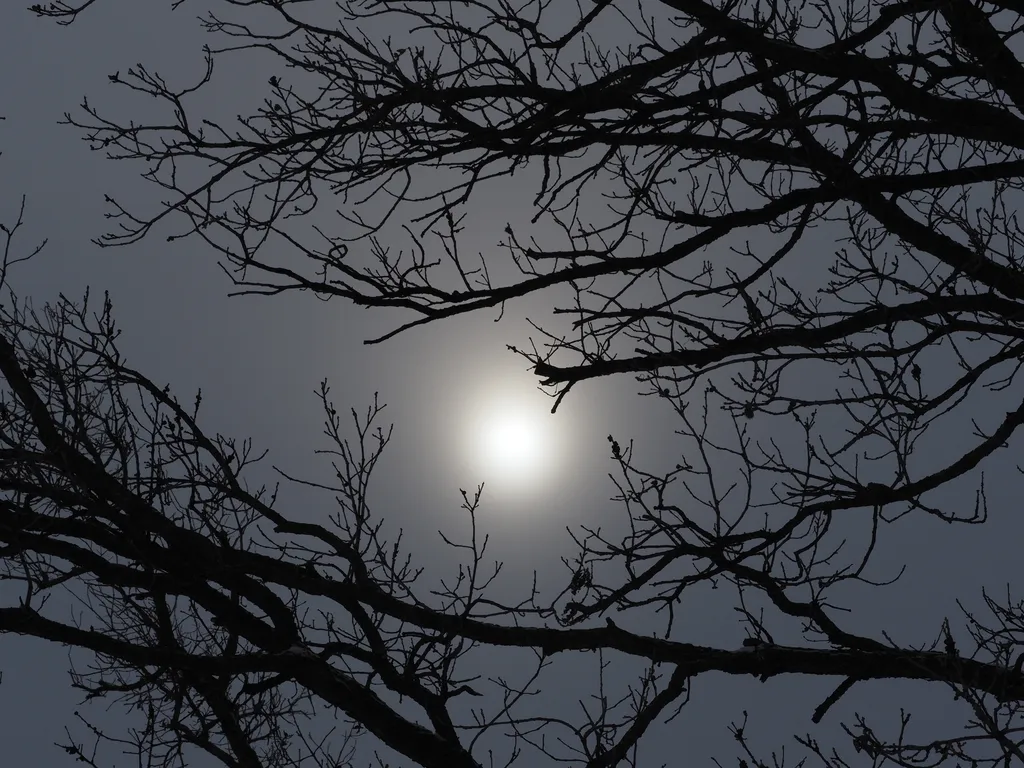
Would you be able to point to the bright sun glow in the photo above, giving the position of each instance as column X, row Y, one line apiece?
column 511, row 442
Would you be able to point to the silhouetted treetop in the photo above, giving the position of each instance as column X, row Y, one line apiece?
column 795, row 223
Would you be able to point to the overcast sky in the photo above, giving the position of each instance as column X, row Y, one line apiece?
column 259, row 361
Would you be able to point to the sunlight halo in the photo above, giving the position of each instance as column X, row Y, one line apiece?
column 510, row 441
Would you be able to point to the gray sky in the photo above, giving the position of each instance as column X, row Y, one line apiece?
column 259, row 360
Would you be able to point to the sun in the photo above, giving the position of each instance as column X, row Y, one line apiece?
column 510, row 444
